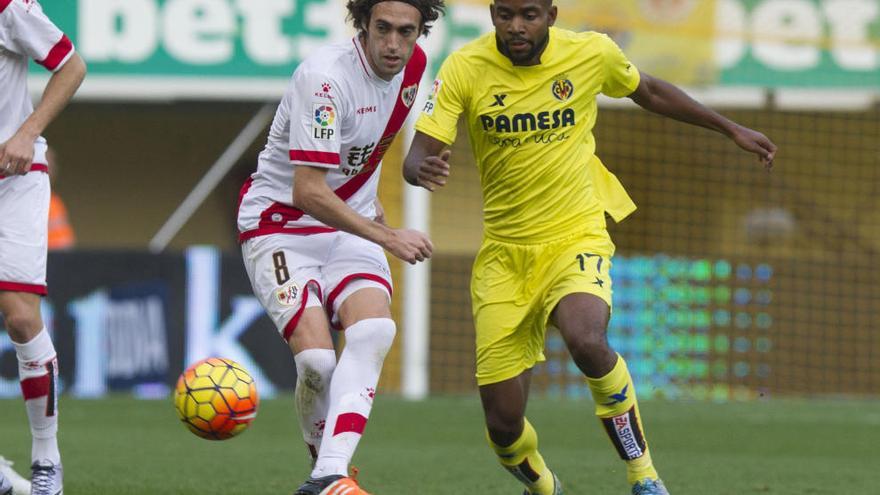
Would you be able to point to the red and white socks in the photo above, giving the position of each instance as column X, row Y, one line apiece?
column 352, row 390
column 38, row 374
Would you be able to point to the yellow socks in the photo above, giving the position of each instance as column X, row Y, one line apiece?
column 617, row 408
column 524, row 462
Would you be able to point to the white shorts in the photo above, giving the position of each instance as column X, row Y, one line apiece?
column 24, row 219
column 292, row 272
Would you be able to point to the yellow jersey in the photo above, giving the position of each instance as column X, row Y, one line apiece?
column 531, row 132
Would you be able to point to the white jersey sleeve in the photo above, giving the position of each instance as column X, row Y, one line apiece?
column 315, row 121
column 28, row 32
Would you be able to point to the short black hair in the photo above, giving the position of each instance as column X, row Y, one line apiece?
column 359, row 11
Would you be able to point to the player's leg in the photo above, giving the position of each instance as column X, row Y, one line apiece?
column 509, row 341
column 315, row 359
column 285, row 274
column 512, row 437
column 38, row 375
column 365, row 315
column 582, row 319
column 24, row 201
column 358, row 302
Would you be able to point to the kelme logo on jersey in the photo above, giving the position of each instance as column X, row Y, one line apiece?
column 324, row 125
column 562, row 89
column 529, row 122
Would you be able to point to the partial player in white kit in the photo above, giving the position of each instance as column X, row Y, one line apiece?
column 27, row 34
column 311, row 242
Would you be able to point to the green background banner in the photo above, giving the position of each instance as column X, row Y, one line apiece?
column 763, row 43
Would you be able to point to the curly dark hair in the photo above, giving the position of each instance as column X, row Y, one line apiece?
column 359, row 11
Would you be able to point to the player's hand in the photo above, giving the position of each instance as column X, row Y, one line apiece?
column 16, row 155
column 411, row 246
column 434, row 170
column 757, row 143
column 380, row 212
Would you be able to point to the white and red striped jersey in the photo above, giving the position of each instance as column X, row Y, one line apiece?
column 25, row 33
column 336, row 114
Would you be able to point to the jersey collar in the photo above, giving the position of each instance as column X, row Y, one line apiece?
column 365, row 64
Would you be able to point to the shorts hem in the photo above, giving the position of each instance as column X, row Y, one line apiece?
column 552, row 303
column 331, row 297
column 37, row 289
column 508, row 374
column 288, row 329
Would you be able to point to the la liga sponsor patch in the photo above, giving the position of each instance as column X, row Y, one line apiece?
column 324, row 121
column 431, row 103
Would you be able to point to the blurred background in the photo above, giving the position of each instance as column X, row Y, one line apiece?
column 731, row 284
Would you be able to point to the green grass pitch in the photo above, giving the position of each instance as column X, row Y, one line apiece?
column 123, row 446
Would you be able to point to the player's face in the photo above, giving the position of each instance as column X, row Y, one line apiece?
column 522, row 28
column 391, row 36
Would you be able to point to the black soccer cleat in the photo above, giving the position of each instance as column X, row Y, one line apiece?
column 314, row 486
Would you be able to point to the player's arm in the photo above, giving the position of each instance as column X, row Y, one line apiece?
column 380, row 212
column 427, row 163
column 312, row 195
column 659, row 96
column 18, row 151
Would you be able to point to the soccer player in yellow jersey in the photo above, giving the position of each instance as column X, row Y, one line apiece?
column 528, row 95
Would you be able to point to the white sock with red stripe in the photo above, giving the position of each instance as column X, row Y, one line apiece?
column 314, row 369
column 38, row 374
column 351, row 392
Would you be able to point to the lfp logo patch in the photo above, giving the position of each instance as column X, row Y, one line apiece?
column 431, row 103
column 324, row 124
column 325, row 115
column 563, row 89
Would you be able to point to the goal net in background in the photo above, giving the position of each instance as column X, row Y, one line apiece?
column 729, row 282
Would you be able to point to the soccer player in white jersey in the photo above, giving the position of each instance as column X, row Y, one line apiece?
column 311, row 242
column 26, row 33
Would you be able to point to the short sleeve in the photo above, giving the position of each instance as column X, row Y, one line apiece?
column 439, row 118
column 315, row 120
column 30, row 33
column 621, row 76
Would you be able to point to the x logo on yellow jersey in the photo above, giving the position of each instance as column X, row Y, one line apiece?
column 499, row 100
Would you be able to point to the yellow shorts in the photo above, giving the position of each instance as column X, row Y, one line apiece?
column 514, row 289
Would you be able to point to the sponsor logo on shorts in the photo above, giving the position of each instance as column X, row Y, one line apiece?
column 287, row 295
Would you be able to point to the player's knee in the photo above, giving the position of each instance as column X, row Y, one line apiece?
column 314, row 368
column 505, row 425
column 371, row 338
column 22, row 325
column 589, row 343
column 504, row 432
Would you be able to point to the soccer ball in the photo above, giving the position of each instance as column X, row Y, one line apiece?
column 216, row 398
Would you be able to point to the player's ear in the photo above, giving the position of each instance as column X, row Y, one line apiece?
column 551, row 15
